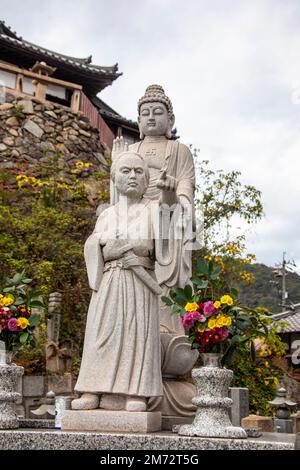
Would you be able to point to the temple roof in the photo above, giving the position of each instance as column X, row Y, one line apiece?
column 112, row 115
column 93, row 78
column 291, row 318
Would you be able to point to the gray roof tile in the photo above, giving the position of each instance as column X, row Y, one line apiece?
column 291, row 317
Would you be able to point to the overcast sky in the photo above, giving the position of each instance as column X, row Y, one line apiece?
column 231, row 68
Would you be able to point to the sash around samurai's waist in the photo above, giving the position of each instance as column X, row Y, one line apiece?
column 127, row 262
column 139, row 265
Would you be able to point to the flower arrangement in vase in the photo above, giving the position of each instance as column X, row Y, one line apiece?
column 218, row 326
column 214, row 319
column 17, row 318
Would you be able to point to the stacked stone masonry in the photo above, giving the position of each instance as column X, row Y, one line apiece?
column 31, row 132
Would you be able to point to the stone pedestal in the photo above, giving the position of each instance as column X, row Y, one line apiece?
column 101, row 442
column 213, row 404
column 110, row 421
column 9, row 375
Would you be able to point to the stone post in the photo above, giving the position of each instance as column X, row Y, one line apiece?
column 54, row 309
column 240, row 404
column 9, row 375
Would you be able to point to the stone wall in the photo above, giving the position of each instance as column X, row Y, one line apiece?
column 31, row 132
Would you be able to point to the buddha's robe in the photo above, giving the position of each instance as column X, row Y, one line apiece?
column 177, row 159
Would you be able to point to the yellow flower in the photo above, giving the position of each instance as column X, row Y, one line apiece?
column 219, row 321
column 11, row 297
column 23, row 322
column 217, row 304
column 191, row 307
column 200, row 329
column 226, row 299
column 211, row 323
column 6, row 301
column 227, row 321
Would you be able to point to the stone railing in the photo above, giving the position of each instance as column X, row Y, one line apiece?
column 23, row 82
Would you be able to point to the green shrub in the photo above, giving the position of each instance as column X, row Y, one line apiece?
column 45, row 217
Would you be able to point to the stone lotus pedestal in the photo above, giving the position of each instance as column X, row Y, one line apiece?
column 9, row 375
column 212, row 401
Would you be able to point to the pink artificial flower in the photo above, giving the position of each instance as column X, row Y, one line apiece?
column 13, row 325
column 209, row 308
column 190, row 318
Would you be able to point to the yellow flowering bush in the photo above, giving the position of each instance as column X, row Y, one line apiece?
column 262, row 376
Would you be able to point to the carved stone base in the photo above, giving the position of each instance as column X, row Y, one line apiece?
column 177, row 361
column 229, row 432
column 212, row 415
column 9, row 375
column 177, row 399
column 110, row 421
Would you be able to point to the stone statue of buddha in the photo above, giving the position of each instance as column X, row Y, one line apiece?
column 162, row 154
column 171, row 168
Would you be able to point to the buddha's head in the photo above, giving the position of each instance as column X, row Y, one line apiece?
column 130, row 173
column 156, row 116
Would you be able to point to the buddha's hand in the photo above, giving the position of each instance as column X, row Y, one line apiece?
column 119, row 146
column 168, row 185
column 166, row 182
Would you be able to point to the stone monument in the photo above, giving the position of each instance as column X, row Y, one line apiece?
column 121, row 362
column 168, row 157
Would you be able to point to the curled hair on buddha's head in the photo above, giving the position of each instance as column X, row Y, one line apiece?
column 128, row 154
column 157, row 93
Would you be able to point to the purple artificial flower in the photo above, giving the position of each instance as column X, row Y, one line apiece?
column 13, row 324
column 224, row 331
column 209, row 308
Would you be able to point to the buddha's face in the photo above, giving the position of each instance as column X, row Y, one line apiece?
column 130, row 176
column 154, row 119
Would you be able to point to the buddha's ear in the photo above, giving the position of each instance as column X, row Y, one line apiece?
column 170, row 127
column 141, row 134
